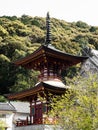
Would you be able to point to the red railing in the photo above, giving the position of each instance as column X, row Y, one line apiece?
column 22, row 122
column 45, row 120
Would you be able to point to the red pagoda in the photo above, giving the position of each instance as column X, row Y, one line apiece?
column 49, row 61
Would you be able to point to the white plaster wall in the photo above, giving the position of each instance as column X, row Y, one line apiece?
column 21, row 116
column 9, row 118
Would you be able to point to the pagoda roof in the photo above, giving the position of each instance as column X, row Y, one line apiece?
column 53, row 87
column 44, row 53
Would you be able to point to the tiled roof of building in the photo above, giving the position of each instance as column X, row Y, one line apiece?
column 6, row 107
column 91, row 64
column 93, row 57
column 21, row 107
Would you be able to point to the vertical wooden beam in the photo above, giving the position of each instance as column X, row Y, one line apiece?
column 34, row 116
column 30, row 111
column 42, row 112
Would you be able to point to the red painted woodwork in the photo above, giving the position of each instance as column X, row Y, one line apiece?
column 37, row 118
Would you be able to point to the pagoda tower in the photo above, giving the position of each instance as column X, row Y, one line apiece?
column 49, row 61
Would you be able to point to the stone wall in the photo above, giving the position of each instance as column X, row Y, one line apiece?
column 38, row 127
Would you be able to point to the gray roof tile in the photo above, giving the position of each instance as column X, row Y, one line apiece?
column 6, row 107
column 21, row 107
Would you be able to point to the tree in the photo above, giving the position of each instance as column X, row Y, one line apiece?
column 3, row 125
column 82, row 24
column 3, row 32
column 78, row 108
column 21, row 36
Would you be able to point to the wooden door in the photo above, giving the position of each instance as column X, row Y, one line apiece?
column 37, row 119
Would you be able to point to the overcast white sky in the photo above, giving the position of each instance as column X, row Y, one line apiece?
column 68, row 10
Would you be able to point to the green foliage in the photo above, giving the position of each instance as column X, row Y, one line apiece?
column 2, row 99
column 3, row 32
column 25, row 19
column 6, row 74
column 22, row 36
column 3, row 125
column 81, row 24
column 37, row 35
column 36, row 23
column 78, row 108
column 92, row 29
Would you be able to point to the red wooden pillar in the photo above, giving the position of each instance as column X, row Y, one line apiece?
column 30, row 111
column 42, row 113
column 34, row 116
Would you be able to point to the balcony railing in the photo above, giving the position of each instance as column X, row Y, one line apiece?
column 45, row 120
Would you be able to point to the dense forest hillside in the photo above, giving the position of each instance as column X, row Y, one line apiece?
column 21, row 36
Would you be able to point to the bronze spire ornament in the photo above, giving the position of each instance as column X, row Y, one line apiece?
column 48, row 32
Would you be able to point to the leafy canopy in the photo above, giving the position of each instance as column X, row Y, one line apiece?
column 78, row 108
column 21, row 36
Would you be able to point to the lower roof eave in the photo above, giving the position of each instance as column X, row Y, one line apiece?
column 41, row 87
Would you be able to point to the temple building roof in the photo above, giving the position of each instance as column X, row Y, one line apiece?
column 44, row 53
column 53, row 87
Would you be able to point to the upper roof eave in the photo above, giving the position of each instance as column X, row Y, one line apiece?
column 46, row 49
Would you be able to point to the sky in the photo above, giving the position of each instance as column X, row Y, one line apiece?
column 68, row 10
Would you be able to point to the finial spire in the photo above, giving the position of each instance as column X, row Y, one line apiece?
column 48, row 33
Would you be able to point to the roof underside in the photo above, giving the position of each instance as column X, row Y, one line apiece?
column 41, row 87
column 49, row 54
